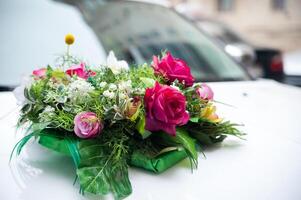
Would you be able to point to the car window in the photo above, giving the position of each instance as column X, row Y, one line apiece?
column 136, row 31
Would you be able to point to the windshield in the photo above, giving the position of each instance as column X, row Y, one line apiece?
column 33, row 31
column 221, row 32
column 136, row 31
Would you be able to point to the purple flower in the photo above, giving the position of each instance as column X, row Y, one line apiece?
column 87, row 125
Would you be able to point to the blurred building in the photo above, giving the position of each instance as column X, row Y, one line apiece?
column 273, row 23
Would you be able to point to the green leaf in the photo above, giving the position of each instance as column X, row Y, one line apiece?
column 19, row 146
column 60, row 141
column 183, row 139
column 149, row 82
column 74, row 152
column 58, row 74
column 194, row 119
column 188, row 143
column 98, row 172
column 201, row 137
column 140, row 126
column 209, row 133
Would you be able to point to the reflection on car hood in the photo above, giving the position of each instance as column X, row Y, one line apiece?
column 262, row 105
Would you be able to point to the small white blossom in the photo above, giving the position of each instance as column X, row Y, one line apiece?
column 102, row 84
column 49, row 109
column 125, row 85
column 116, row 65
column 122, row 96
column 108, row 94
column 79, row 88
column 112, row 87
column 47, row 114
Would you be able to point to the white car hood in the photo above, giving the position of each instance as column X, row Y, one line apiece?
column 265, row 166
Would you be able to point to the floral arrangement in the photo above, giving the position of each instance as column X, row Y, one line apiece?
column 110, row 117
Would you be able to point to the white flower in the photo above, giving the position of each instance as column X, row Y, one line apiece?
column 122, row 96
column 49, row 109
column 47, row 114
column 115, row 65
column 112, row 87
column 125, row 85
column 79, row 88
column 19, row 91
column 102, row 84
column 108, row 94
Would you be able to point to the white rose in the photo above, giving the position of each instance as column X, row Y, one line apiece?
column 116, row 65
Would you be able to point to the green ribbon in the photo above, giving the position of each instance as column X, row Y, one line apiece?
column 56, row 144
column 159, row 163
column 156, row 164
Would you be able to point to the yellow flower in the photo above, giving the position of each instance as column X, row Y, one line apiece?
column 69, row 39
column 209, row 114
column 132, row 109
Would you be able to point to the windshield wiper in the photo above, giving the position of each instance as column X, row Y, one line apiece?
column 6, row 88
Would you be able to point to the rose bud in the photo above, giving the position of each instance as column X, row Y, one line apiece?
column 132, row 108
column 39, row 73
column 205, row 92
column 87, row 125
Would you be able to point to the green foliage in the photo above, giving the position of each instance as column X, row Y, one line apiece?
column 181, row 139
column 208, row 133
column 19, row 146
column 103, row 166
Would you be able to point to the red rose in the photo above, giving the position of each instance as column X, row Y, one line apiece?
column 173, row 68
column 165, row 109
column 80, row 71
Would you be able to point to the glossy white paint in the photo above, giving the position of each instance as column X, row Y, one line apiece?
column 265, row 166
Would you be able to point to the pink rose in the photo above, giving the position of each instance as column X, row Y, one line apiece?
column 165, row 109
column 87, row 125
column 173, row 68
column 40, row 73
column 80, row 71
column 205, row 92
